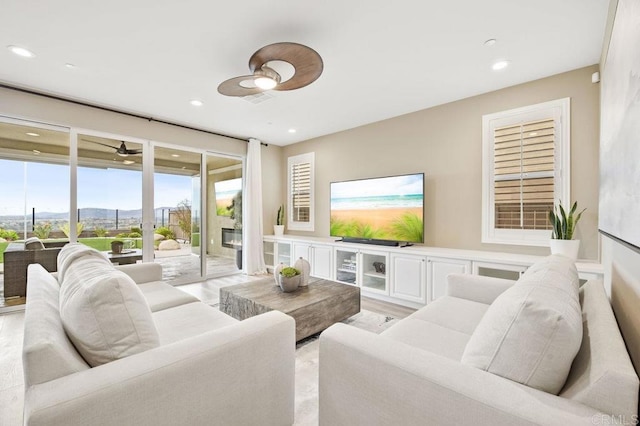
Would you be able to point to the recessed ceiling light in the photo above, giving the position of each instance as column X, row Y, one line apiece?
column 127, row 162
column 36, row 152
column 500, row 65
column 196, row 102
column 184, row 167
column 175, row 155
column 32, row 134
column 533, row 134
column 292, row 130
column 490, row 42
column 21, row 51
column 70, row 66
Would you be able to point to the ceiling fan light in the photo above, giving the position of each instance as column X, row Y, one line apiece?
column 122, row 154
column 265, row 83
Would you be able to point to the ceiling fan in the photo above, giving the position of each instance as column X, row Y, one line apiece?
column 122, row 150
column 306, row 62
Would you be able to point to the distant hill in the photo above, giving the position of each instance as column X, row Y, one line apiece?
column 89, row 213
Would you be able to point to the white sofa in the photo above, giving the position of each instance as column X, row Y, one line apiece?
column 208, row 368
column 413, row 374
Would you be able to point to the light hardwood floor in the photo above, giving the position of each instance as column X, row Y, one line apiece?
column 11, row 333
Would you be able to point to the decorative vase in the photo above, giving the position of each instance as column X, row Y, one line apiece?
column 278, row 230
column 276, row 272
column 116, row 247
column 567, row 248
column 289, row 284
column 305, row 270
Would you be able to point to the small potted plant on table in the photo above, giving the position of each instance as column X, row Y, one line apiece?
column 289, row 279
column 564, row 225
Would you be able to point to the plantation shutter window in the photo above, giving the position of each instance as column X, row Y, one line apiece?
column 301, row 191
column 300, row 196
column 524, row 166
column 525, row 171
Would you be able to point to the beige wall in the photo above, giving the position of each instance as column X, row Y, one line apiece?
column 445, row 142
column 25, row 106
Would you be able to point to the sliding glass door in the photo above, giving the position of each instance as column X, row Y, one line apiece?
column 110, row 197
column 176, row 180
column 34, row 171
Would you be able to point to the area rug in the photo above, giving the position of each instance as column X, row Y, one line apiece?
column 307, row 365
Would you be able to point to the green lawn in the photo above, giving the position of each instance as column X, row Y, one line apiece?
column 101, row 244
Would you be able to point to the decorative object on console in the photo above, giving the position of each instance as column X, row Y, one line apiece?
column 306, row 62
column 305, row 270
column 278, row 228
column 564, row 225
column 289, row 279
column 379, row 267
column 116, row 246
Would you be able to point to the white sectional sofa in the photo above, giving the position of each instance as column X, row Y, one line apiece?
column 206, row 367
column 424, row 370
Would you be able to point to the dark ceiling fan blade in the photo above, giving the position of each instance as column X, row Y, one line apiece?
column 100, row 143
column 232, row 87
column 134, row 151
column 306, row 61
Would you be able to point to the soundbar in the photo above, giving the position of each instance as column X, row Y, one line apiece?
column 389, row 243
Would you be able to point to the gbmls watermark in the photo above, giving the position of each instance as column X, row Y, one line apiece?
column 607, row 420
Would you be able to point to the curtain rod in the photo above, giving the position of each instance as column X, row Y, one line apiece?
column 142, row 117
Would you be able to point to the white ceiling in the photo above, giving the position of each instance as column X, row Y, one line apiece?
column 381, row 58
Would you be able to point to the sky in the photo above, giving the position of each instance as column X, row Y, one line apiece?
column 394, row 185
column 47, row 188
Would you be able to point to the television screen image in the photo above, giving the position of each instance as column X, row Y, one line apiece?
column 387, row 208
column 226, row 190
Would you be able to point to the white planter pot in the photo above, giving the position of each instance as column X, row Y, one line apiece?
column 567, row 248
column 278, row 230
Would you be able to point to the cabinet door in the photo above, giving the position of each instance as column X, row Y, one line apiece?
column 321, row 261
column 283, row 252
column 346, row 266
column 408, row 277
column 301, row 250
column 439, row 268
column 374, row 271
column 269, row 254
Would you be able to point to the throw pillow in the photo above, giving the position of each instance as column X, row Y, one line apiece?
column 532, row 332
column 104, row 313
column 33, row 243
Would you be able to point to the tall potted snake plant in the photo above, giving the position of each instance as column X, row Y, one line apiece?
column 564, row 224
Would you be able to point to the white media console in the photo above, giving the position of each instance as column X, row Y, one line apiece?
column 410, row 276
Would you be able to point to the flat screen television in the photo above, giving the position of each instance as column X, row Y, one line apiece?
column 379, row 209
column 226, row 190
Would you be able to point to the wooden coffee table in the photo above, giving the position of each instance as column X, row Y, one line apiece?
column 316, row 307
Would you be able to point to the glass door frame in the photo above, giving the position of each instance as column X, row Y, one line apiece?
column 148, row 148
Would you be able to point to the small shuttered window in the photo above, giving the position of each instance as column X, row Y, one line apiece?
column 525, row 170
column 301, row 191
column 301, row 202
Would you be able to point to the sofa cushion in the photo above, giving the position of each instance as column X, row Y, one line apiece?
column 443, row 327
column 73, row 251
column 532, row 332
column 160, row 295
column 192, row 319
column 33, row 243
column 103, row 311
column 47, row 352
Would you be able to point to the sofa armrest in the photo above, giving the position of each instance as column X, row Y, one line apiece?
column 368, row 379
column 476, row 287
column 142, row 272
column 240, row 374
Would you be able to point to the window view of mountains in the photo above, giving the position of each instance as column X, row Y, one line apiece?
column 91, row 218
